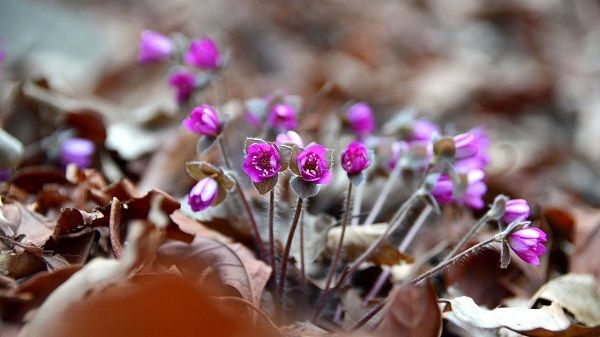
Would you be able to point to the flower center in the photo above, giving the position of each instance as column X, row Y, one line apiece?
column 264, row 163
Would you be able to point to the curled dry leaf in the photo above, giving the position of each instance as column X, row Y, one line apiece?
column 234, row 264
column 359, row 238
column 94, row 277
column 550, row 321
column 19, row 221
column 413, row 311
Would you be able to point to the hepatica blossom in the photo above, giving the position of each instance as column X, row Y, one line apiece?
column 472, row 196
column 77, row 151
column 203, row 120
column 313, row 165
column 528, row 244
column 289, row 138
column 282, row 116
column 154, row 47
column 203, row 54
column 360, row 118
column 262, row 162
column 466, row 146
column 515, row 209
column 482, row 158
column 423, row 129
column 183, row 82
column 355, row 158
column 397, row 150
column 203, row 194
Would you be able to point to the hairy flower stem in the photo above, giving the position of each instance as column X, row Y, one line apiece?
column 244, row 200
column 271, row 232
column 288, row 246
column 356, row 206
column 484, row 219
column 338, row 251
column 387, row 188
column 396, row 221
column 403, row 246
column 449, row 262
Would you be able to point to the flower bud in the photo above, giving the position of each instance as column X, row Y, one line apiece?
column 289, row 138
column 355, row 158
column 183, row 82
column 528, row 244
column 203, row 54
column 203, row 120
column 282, row 116
column 360, row 118
column 203, row 194
column 77, row 151
column 154, row 47
column 515, row 208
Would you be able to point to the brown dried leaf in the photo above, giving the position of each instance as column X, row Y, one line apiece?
column 413, row 311
column 235, row 265
column 359, row 238
column 20, row 221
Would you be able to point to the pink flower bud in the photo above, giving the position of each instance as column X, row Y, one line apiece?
column 476, row 188
column 355, row 158
column 481, row 160
column 313, row 165
column 203, row 120
column 154, row 47
column 77, row 151
column 466, row 145
column 262, row 161
column 289, row 138
column 282, row 116
column 203, row 194
column 203, row 54
column 528, row 244
column 183, row 82
column 360, row 118
column 514, row 209
column 442, row 191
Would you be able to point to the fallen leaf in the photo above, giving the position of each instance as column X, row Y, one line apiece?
column 412, row 311
column 358, row 238
column 19, row 221
column 235, row 265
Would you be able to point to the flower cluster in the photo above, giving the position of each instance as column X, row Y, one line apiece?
column 202, row 54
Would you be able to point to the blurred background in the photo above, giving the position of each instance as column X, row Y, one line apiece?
column 527, row 70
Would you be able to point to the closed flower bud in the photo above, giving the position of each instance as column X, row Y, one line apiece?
column 203, row 54
column 154, row 47
column 282, row 116
column 289, row 138
column 183, row 82
column 515, row 209
column 203, row 194
column 77, row 151
column 203, row 120
column 360, row 118
column 528, row 244
column 355, row 158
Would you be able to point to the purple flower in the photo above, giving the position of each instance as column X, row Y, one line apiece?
column 203, row 54
column 442, row 191
column 398, row 149
column 154, row 47
column 476, row 188
column 283, row 116
column 262, row 161
column 423, row 129
column 77, row 151
column 313, row 165
column 183, row 83
column 528, row 244
column 514, row 209
column 466, row 145
column 289, row 138
column 482, row 159
column 355, row 158
column 360, row 118
column 203, row 120
column 203, row 194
